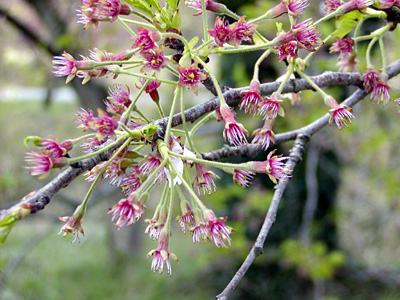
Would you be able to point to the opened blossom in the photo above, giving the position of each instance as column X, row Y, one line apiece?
column 291, row 7
column 191, row 76
column 234, row 132
column 204, row 179
column 154, row 60
column 251, row 98
column 343, row 47
column 370, row 79
column 217, row 230
column 41, row 163
column 241, row 31
column 127, row 211
column 242, row 177
column 271, row 107
column 381, row 92
column 263, row 136
column 67, row 65
column 161, row 255
column 341, row 114
column 186, row 219
column 118, row 100
column 73, row 224
column 221, row 32
column 274, row 167
column 287, row 51
column 94, row 11
column 146, row 40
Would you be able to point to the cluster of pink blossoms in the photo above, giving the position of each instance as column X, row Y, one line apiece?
column 233, row 34
column 376, row 83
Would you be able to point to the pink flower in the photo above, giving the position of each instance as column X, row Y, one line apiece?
column 146, row 40
column 218, row 231
column 291, row 7
column 233, row 131
column 370, row 80
column 221, row 32
column 150, row 164
column 118, row 100
column 273, row 166
column 287, row 51
column 42, row 163
column 271, row 107
column 53, row 148
column 251, row 98
column 343, row 46
column 385, row 4
column 154, row 60
column 161, row 255
column 104, row 125
column 73, row 224
column 241, row 31
column 85, row 118
column 191, row 76
column 203, row 179
column 264, row 135
column 350, row 64
column 355, row 5
column 127, row 211
column 151, row 88
column 242, row 177
column 186, row 219
column 304, row 33
column 381, row 92
column 132, row 182
column 210, row 6
column 67, row 65
column 331, row 6
column 95, row 11
column 341, row 114
column 200, row 233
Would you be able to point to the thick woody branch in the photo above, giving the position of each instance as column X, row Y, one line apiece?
column 295, row 157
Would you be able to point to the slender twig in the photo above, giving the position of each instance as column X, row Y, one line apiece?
column 257, row 249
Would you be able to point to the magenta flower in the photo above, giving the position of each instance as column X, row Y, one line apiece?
column 331, row 6
column 154, row 60
column 242, row 177
column 95, row 11
column 355, row 5
column 203, row 179
column 53, row 148
column 118, row 99
column 186, row 219
column 273, row 167
column 350, row 64
column 264, row 135
column 341, row 114
column 304, row 33
column 200, row 233
column 85, row 118
column 150, row 164
column 218, row 231
column 287, row 51
column 381, row 92
column 343, row 46
column 127, row 211
column 191, row 76
column 241, row 31
column 251, row 98
column 67, row 65
column 233, row 131
column 146, row 40
column 291, row 7
column 151, row 88
column 42, row 163
column 161, row 255
column 132, row 181
column 210, row 6
column 221, row 32
column 370, row 80
column 104, row 125
column 271, row 107
column 386, row 4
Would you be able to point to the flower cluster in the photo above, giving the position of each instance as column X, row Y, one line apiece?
column 233, row 34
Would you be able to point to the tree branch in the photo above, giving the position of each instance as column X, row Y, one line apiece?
column 257, row 249
column 37, row 200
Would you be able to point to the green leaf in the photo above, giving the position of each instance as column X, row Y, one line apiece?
column 346, row 23
column 6, row 226
column 193, row 42
column 32, row 139
column 142, row 5
column 173, row 4
column 154, row 3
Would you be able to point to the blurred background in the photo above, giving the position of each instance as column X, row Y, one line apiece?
column 337, row 233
